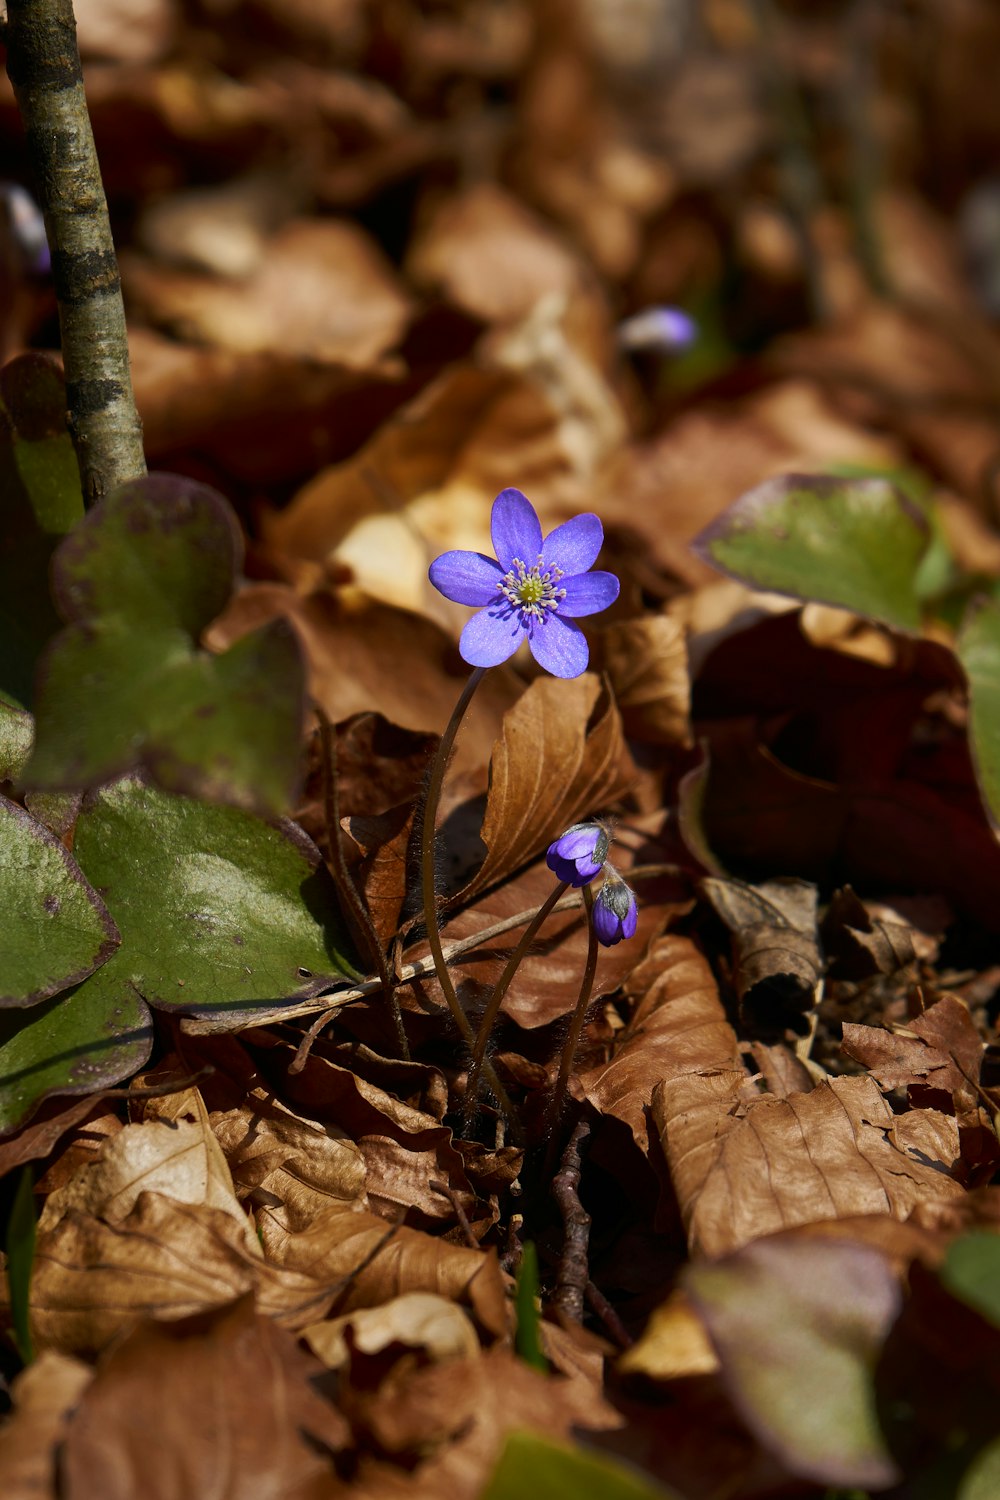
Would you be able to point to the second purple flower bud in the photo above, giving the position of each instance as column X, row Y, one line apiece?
column 578, row 855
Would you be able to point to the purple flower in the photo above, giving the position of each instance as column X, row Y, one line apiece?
column 666, row 329
column 615, row 911
column 579, row 854
column 533, row 593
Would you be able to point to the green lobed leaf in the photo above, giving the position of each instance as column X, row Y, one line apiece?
column 978, row 648
column 532, row 1465
column 798, row 1326
column 126, row 686
column 88, row 1038
column 218, row 910
column 57, row 930
column 17, row 731
column 40, row 500
column 971, row 1272
column 981, row 1480
column 855, row 543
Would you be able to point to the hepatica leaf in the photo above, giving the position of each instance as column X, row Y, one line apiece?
column 978, row 649
column 57, row 929
column 125, row 685
column 218, row 910
column 85, row 1039
column 40, row 500
column 856, row 543
column 533, row 1465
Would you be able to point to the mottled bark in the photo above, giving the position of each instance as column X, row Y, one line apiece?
column 43, row 64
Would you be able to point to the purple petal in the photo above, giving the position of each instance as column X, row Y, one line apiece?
column 487, row 640
column 558, row 646
column 466, row 577
column 606, row 924
column 574, row 545
column 565, row 869
column 588, row 593
column 516, row 530
column 577, row 841
column 631, row 920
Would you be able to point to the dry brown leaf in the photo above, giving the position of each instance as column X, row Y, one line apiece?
column 44, row 1397
column 93, row 1280
column 491, row 256
column 276, row 1155
column 460, row 1412
column 560, row 757
column 679, row 1027
column 323, row 291
column 174, row 1153
column 646, row 660
column 940, row 1049
column 743, row 1166
column 46, row 1129
column 220, row 1404
column 416, row 1320
column 674, row 1343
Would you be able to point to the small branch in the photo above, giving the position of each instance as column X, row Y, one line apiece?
column 43, row 64
column 573, row 1274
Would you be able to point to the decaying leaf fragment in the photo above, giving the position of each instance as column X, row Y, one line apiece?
column 859, row 944
column 777, row 964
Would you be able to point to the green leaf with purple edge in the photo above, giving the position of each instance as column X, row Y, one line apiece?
column 87, row 1038
column 853, row 543
column 125, row 686
column 41, row 501
column 531, row 1464
column 798, row 1325
column 978, row 650
column 220, row 913
column 57, row 930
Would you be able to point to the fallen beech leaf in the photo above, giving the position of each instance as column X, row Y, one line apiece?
column 434, row 1325
column 561, row 736
column 798, row 1326
column 744, row 1165
column 941, row 1049
column 679, row 1026
column 220, row 1403
column 92, row 1280
column 44, row 1397
column 175, row 1154
column 858, row 944
column 777, row 967
column 647, row 662
column 674, row 1343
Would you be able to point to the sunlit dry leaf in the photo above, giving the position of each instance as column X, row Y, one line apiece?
column 560, row 758
column 674, row 1344
column 175, row 1153
column 44, row 1397
column 141, row 1426
column 679, row 1027
column 941, row 1049
column 798, row 1326
column 646, row 660
column 323, row 291
column 416, row 1320
column 93, row 1280
column 743, row 1166
column 276, row 1155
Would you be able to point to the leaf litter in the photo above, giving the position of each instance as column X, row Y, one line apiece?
column 376, row 268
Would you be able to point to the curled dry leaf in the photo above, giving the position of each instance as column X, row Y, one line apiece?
column 92, row 1281
column 435, row 1326
column 647, row 662
column 777, row 966
column 560, row 757
column 679, row 1027
column 141, row 1425
column 939, row 1050
column 744, row 1165
column 43, row 1397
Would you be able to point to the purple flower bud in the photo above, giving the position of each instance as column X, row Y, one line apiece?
column 26, row 226
column 615, row 911
column 579, row 854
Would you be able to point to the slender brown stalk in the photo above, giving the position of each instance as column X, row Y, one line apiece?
column 573, row 1275
column 43, row 64
column 346, row 888
column 573, row 1036
column 496, row 1000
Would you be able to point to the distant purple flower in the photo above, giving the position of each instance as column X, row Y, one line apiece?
column 666, row 329
column 533, row 593
column 615, row 911
column 579, row 854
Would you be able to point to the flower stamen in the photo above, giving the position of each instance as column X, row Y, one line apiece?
column 530, row 591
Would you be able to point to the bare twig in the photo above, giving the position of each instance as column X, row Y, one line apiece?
column 573, row 1273
column 612, row 1322
column 447, row 1191
column 43, row 64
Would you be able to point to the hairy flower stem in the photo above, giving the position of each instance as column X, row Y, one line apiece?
column 43, row 64
column 496, row 1000
column 428, row 881
column 572, row 1039
column 357, row 907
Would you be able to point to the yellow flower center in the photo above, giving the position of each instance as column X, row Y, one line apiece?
column 530, row 590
